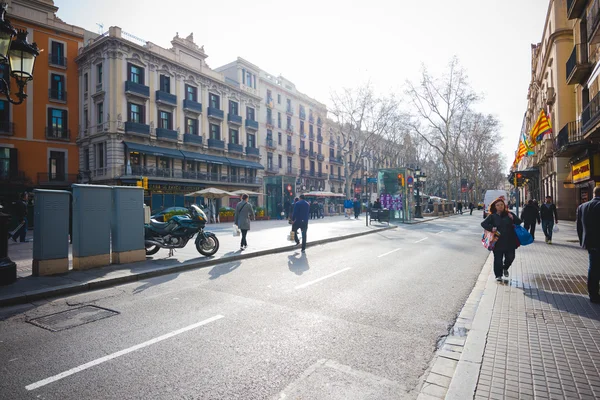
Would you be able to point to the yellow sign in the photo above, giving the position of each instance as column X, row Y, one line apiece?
column 582, row 171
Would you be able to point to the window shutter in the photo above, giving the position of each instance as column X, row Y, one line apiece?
column 13, row 168
column 142, row 114
column 49, row 124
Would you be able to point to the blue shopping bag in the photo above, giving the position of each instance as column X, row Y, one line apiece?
column 523, row 235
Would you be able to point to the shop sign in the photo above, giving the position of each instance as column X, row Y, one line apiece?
column 581, row 171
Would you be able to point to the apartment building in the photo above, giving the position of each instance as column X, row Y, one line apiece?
column 38, row 137
column 292, row 137
column 159, row 113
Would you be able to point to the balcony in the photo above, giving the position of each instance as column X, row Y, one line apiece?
column 289, row 111
column 321, row 175
column 311, row 136
column 235, row 148
column 58, row 133
column 56, row 179
column 270, row 144
column 166, row 134
column 191, row 105
column 590, row 117
column 192, row 139
column 252, row 151
column 216, row 144
column 234, row 119
column 291, row 171
column 166, row 98
column 578, row 66
column 569, row 140
column 291, row 149
column 136, row 127
column 320, row 138
column 303, row 152
column 312, row 154
column 7, row 128
column 593, row 20
column 289, row 129
column 336, row 160
column 335, row 177
column 57, row 60
column 320, row 157
column 178, row 174
column 302, row 115
column 251, row 124
column 57, row 95
column 137, row 89
column 272, row 169
column 215, row 113
column 575, row 8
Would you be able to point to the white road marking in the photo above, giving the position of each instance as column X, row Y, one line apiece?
column 440, row 232
column 109, row 357
column 389, row 252
column 321, row 278
column 419, row 241
column 14, row 359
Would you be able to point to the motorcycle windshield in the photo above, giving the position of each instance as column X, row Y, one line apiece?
column 198, row 211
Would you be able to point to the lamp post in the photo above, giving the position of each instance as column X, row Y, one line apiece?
column 420, row 179
column 20, row 57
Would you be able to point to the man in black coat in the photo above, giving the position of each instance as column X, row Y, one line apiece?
column 530, row 216
column 588, row 230
column 549, row 216
column 21, row 215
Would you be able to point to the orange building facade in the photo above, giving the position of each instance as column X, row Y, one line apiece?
column 38, row 137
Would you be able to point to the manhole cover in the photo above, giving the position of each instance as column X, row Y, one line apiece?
column 72, row 318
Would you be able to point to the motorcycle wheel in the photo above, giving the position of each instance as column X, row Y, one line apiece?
column 209, row 246
column 150, row 250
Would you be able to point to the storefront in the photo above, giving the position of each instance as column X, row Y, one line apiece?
column 585, row 176
column 395, row 190
column 279, row 190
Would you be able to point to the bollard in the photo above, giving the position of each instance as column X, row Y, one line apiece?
column 8, row 269
column 51, row 233
column 128, row 225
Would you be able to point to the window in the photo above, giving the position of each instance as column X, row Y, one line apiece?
column 310, row 129
column 289, row 103
column 269, row 134
column 100, row 155
column 234, row 136
column 233, row 108
column 57, row 55
column 136, row 113
column 278, row 98
column 191, row 93
column 251, row 140
column 135, row 74
column 57, row 123
column 164, row 163
column 319, row 148
column 320, row 168
column 339, row 171
column 301, row 127
column 56, row 166
column 165, row 84
column 214, row 101
column 269, row 116
column 310, row 145
column 85, row 83
column 99, row 73
column 269, row 96
column 289, row 122
column 57, row 87
column 279, row 138
column 302, row 146
column 331, row 153
column 5, row 162
column 191, row 126
column 100, row 113
column 318, row 131
column 270, row 160
column 165, row 120
column 250, row 114
column 289, row 141
column 289, row 165
column 85, row 119
column 303, row 164
column 86, row 159
column 279, row 120
column 215, row 132
column 280, row 161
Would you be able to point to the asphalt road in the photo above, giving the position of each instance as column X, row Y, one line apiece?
column 356, row 319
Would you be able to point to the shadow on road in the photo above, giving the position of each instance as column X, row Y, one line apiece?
column 298, row 263
column 223, row 269
column 159, row 280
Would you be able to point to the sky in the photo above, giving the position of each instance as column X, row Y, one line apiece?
column 326, row 45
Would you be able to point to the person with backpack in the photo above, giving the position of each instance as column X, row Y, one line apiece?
column 530, row 215
column 502, row 222
column 243, row 213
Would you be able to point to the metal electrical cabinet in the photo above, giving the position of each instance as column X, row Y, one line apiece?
column 51, row 233
column 92, row 212
column 128, row 225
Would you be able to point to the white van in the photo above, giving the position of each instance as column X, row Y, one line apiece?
column 490, row 196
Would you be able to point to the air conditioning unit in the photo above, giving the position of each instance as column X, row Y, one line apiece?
column 550, row 94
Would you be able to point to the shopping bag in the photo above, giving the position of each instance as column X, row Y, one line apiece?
column 523, row 235
column 292, row 236
column 236, row 231
column 489, row 240
column 555, row 229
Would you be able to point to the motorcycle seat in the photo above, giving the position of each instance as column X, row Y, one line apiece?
column 158, row 225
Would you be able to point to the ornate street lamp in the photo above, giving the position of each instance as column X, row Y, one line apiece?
column 19, row 54
column 420, row 179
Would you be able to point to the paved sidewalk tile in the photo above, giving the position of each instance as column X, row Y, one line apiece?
column 544, row 339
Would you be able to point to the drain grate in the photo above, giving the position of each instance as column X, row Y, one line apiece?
column 71, row 318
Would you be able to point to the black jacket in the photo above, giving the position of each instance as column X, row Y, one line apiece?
column 588, row 224
column 20, row 210
column 505, row 226
column 548, row 213
column 530, row 214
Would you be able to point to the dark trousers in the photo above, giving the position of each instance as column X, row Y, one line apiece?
column 244, row 232
column 594, row 274
column 530, row 226
column 303, row 226
column 547, row 226
column 356, row 212
column 503, row 259
column 471, row 213
column 21, row 233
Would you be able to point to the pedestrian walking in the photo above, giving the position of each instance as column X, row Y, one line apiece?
column 348, row 206
column 321, row 210
column 501, row 221
column 460, row 207
column 287, row 207
column 21, row 216
column 471, row 208
column 530, row 215
column 549, row 216
column 243, row 213
column 356, row 208
column 588, row 230
column 300, row 217
column 280, row 211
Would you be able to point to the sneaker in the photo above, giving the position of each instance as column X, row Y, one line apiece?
column 549, row 241
column 303, row 251
column 297, row 243
column 546, row 240
column 241, row 248
column 506, row 273
column 499, row 278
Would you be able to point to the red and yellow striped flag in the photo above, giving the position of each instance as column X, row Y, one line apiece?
column 542, row 127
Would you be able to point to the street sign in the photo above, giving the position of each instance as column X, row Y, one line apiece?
column 410, row 180
column 371, row 180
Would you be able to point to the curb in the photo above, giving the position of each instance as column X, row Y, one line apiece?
column 454, row 371
column 101, row 283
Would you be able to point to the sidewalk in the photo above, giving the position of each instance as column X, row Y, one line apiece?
column 533, row 337
column 265, row 237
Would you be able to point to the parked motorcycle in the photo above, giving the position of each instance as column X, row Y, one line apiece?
column 178, row 230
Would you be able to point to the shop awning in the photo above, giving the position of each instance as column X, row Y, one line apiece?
column 245, row 163
column 207, row 158
column 154, row 150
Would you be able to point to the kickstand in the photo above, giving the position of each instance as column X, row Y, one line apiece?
column 171, row 252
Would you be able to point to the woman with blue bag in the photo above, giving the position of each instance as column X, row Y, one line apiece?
column 502, row 222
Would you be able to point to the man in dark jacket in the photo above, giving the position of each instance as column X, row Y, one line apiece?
column 21, row 215
column 530, row 216
column 548, row 216
column 300, row 217
column 588, row 230
column 356, row 205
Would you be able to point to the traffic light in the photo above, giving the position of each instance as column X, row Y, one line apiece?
column 519, row 176
column 401, row 180
column 145, row 185
column 139, row 183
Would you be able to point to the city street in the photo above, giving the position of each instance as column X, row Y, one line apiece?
column 358, row 318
